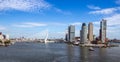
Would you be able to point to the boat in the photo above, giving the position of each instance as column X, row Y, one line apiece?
column 76, row 43
column 91, row 49
column 12, row 42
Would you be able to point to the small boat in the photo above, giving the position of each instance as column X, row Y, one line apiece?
column 76, row 43
column 12, row 43
column 91, row 49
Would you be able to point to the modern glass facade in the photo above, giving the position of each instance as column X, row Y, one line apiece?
column 103, row 27
column 83, row 33
column 71, row 33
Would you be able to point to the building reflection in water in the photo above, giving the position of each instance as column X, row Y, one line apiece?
column 70, row 52
column 84, row 54
column 99, row 55
column 102, row 55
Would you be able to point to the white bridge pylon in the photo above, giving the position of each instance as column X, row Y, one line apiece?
column 46, row 37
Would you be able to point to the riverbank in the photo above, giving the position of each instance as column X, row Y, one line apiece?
column 94, row 45
column 6, row 43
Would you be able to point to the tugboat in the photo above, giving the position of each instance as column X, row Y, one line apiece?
column 91, row 49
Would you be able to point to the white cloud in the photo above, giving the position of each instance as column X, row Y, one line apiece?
column 113, row 26
column 113, row 32
column 30, row 25
column 76, row 23
column 57, row 24
column 113, row 20
column 105, row 11
column 96, row 22
column 113, row 23
column 23, row 5
column 2, row 28
column 63, row 12
column 35, row 24
column 29, row 6
column 93, row 7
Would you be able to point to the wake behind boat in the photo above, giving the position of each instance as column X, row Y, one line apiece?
column 91, row 49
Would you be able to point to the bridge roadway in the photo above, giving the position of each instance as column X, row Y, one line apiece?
column 37, row 40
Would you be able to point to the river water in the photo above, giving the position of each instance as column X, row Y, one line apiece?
column 56, row 52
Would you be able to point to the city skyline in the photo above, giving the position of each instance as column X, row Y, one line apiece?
column 19, row 18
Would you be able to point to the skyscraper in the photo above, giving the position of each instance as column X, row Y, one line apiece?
column 103, row 27
column 83, row 33
column 71, row 33
column 90, row 32
column 67, row 36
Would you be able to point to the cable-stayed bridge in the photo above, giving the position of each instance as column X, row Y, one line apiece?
column 39, row 36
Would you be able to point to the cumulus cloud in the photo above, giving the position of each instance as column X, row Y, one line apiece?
column 104, row 11
column 30, row 25
column 23, row 5
column 113, row 20
column 93, row 7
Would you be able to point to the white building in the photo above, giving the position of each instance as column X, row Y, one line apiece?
column 7, row 37
column 1, row 37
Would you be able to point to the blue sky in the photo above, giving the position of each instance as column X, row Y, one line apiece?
column 31, row 18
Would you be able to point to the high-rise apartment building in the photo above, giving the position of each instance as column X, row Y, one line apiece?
column 90, row 32
column 71, row 33
column 83, row 34
column 103, row 27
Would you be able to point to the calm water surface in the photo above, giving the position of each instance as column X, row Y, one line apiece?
column 56, row 52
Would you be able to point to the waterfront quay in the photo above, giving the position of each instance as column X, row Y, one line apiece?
column 97, row 45
column 36, row 40
column 93, row 45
